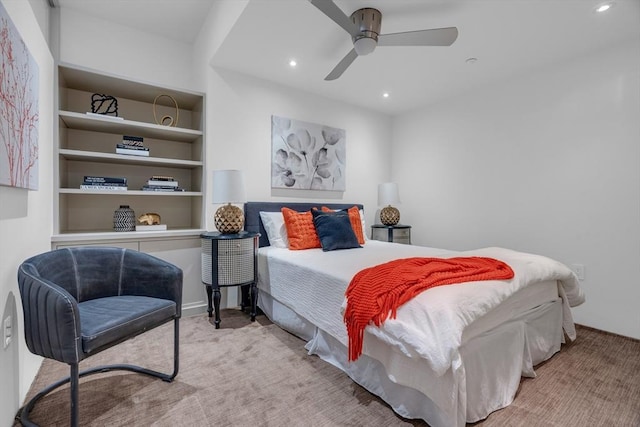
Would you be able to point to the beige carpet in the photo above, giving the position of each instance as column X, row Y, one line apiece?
column 255, row 374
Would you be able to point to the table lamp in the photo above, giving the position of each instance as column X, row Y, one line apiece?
column 228, row 187
column 387, row 196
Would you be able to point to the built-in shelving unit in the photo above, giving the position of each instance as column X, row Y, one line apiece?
column 86, row 146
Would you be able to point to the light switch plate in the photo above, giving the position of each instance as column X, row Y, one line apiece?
column 7, row 328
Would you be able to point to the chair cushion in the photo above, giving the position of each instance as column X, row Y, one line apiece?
column 108, row 321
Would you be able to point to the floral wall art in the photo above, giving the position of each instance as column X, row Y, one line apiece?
column 18, row 109
column 307, row 156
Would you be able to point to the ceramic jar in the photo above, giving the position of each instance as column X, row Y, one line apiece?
column 124, row 219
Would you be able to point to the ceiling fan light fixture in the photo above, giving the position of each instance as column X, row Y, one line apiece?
column 364, row 28
column 365, row 45
column 603, row 7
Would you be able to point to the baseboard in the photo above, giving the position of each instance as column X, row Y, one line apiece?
column 608, row 333
column 194, row 309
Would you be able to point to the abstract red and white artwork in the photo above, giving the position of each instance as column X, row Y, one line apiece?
column 18, row 109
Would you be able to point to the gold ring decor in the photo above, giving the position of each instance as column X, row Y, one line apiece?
column 166, row 120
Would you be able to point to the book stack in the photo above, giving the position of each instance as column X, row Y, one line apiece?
column 162, row 183
column 132, row 145
column 106, row 183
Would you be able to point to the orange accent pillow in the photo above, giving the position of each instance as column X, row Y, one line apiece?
column 356, row 222
column 300, row 229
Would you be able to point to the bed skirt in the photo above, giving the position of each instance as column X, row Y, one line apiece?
column 485, row 375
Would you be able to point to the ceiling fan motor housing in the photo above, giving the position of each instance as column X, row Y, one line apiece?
column 368, row 21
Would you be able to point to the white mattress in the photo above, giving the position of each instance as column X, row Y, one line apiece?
column 306, row 284
column 520, row 302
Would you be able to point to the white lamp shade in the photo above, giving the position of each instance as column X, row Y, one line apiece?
column 228, row 186
column 388, row 194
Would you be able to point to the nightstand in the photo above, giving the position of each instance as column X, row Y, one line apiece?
column 230, row 260
column 391, row 233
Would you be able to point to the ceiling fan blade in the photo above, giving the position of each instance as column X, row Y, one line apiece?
column 329, row 8
column 433, row 37
column 342, row 65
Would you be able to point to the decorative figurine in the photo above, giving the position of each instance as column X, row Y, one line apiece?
column 166, row 120
column 149, row 218
column 104, row 104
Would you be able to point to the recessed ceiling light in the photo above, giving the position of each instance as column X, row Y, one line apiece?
column 385, row 95
column 293, row 63
column 603, row 7
column 471, row 60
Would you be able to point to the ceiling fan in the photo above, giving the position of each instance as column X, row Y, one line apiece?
column 364, row 27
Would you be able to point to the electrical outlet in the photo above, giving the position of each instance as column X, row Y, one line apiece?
column 7, row 328
column 579, row 270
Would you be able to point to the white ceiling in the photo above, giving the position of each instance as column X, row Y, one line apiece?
column 176, row 19
column 508, row 37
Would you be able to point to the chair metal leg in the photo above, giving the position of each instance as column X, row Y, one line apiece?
column 75, row 382
column 75, row 375
column 176, row 348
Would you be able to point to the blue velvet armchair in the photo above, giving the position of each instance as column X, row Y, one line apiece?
column 80, row 301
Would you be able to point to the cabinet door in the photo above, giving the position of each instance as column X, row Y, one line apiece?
column 381, row 234
column 402, row 235
column 235, row 261
column 185, row 253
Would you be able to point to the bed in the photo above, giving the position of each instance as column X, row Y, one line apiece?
column 453, row 354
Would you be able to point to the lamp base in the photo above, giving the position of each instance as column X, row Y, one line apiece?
column 389, row 215
column 229, row 219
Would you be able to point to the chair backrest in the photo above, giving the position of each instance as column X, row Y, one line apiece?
column 85, row 272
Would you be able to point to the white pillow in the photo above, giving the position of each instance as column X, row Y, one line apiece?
column 276, row 230
column 364, row 227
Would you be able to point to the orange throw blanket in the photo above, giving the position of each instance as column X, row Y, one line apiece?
column 375, row 293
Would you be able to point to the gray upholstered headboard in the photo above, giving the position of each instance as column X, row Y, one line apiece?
column 252, row 221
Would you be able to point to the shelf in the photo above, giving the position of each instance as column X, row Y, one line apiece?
column 81, row 121
column 94, row 156
column 131, row 193
column 88, row 80
column 128, row 235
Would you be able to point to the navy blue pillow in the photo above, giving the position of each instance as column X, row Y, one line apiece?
column 334, row 230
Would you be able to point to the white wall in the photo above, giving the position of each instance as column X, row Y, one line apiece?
column 41, row 11
column 547, row 163
column 25, row 220
column 118, row 49
column 239, row 137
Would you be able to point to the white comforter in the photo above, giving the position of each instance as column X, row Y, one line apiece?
column 431, row 325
